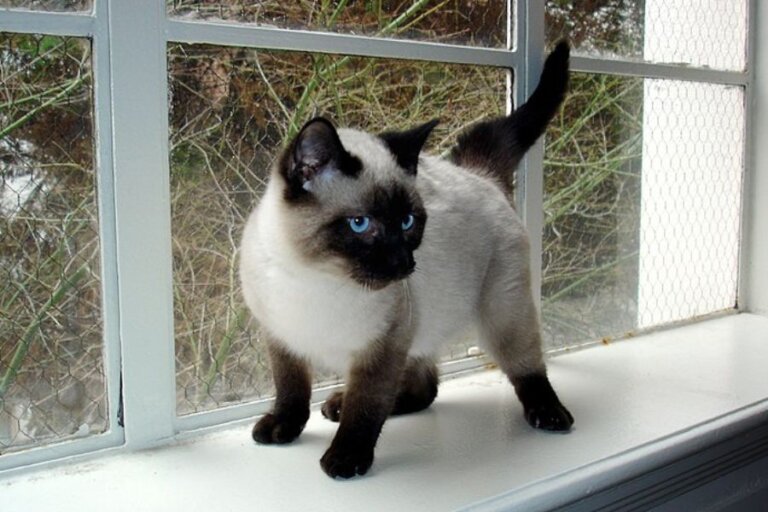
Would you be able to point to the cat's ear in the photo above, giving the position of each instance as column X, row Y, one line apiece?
column 406, row 146
column 316, row 153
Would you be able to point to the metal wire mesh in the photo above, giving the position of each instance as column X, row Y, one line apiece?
column 51, row 373
column 592, row 163
column 642, row 177
column 466, row 22
column 691, row 198
column 48, row 5
column 707, row 33
column 642, row 201
column 232, row 109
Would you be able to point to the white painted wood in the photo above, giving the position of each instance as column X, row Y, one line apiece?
column 626, row 67
column 104, row 158
column 530, row 177
column 142, row 204
column 638, row 405
column 245, row 35
column 53, row 23
column 754, row 296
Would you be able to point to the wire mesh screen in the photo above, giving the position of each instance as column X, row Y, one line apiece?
column 642, row 199
column 52, row 382
column 592, row 162
column 691, row 198
column 48, row 5
column 464, row 21
column 232, row 110
column 707, row 33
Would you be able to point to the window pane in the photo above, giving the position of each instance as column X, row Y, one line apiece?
column 642, row 196
column 232, row 110
column 48, row 5
column 707, row 33
column 52, row 382
column 465, row 22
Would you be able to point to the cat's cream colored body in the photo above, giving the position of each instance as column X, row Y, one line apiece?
column 473, row 259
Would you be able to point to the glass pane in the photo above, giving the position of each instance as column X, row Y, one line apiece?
column 707, row 33
column 232, row 110
column 642, row 197
column 52, row 382
column 465, row 22
column 593, row 155
column 48, row 5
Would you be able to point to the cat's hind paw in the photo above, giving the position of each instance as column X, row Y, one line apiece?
column 331, row 408
column 271, row 429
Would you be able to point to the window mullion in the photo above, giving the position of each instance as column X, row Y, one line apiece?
column 268, row 38
column 50, row 23
column 656, row 70
column 530, row 180
column 142, row 217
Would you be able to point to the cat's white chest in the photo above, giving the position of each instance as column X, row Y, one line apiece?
column 320, row 317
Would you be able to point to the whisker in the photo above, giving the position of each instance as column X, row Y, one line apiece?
column 407, row 290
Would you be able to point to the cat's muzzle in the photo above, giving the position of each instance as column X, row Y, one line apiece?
column 396, row 269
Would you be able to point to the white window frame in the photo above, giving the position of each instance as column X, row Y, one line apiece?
column 129, row 41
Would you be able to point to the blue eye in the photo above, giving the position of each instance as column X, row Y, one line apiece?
column 407, row 222
column 359, row 224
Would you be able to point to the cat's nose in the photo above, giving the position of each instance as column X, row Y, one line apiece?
column 402, row 263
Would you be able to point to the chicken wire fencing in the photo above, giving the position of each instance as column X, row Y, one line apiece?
column 705, row 33
column 466, row 22
column 232, row 110
column 643, row 177
column 48, row 5
column 642, row 206
column 52, row 383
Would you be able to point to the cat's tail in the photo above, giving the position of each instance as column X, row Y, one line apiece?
column 496, row 146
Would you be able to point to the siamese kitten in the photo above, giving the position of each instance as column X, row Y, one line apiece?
column 365, row 256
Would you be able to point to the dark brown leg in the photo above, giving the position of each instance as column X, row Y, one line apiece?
column 294, row 387
column 417, row 391
column 369, row 399
column 541, row 406
column 418, row 386
column 513, row 337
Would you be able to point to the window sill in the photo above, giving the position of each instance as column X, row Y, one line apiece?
column 656, row 416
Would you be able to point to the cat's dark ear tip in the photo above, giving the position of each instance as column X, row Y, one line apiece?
column 562, row 49
column 318, row 119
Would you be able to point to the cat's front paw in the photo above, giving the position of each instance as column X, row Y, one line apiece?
column 331, row 408
column 346, row 463
column 271, row 429
column 551, row 417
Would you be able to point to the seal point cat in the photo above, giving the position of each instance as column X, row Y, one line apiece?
column 365, row 256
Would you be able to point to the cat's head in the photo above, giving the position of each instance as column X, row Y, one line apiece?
column 350, row 199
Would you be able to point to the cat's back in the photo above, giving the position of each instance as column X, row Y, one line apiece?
column 468, row 212
column 469, row 222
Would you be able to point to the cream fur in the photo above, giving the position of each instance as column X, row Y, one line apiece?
column 328, row 318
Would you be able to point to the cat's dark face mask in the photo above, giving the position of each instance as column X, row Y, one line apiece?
column 370, row 227
column 378, row 245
